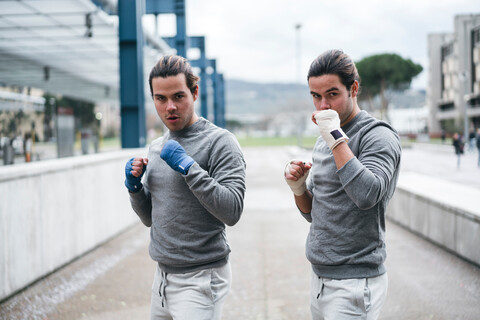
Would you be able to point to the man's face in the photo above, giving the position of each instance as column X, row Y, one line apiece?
column 174, row 101
column 328, row 92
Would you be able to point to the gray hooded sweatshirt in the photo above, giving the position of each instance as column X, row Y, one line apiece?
column 188, row 213
column 347, row 232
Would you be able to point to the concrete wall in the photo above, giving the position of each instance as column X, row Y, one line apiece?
column 55, row 210
column 425, row 206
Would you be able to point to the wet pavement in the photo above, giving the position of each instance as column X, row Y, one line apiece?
column 270, row 272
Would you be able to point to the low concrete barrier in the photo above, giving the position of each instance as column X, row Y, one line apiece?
column 53, row 211
column 446, row 213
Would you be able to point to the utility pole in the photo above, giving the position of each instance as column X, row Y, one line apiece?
column 301, row 121
column 466, row 82
column 298, row 26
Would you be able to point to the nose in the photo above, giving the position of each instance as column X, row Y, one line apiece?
column 171, row 106
column 323, row 105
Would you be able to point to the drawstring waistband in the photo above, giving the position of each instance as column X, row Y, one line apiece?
column 321, row 287
column 163, row 285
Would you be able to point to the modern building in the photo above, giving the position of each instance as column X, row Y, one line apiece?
column 453, row 94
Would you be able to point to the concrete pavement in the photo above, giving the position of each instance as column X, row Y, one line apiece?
column 270, row 272
column 439, row 161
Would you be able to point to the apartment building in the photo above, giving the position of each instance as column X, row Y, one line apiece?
column 453, row 92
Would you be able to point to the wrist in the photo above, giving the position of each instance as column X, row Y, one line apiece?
column 338, row 141
column 185, row 164
column 299, row 190
column 334, row 137
column 133, row 187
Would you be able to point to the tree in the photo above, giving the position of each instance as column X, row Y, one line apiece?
column 381, row 72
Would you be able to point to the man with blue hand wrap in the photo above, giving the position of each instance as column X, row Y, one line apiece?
column 194, row 186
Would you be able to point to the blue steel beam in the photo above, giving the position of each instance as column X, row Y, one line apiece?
column 199, row 42
column 132, row 97
column 218, row 95
column 213, row 78
column 170, row 41
column 221, row 100
column 176, row 7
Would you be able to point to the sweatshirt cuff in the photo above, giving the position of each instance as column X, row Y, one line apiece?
column 139, row 194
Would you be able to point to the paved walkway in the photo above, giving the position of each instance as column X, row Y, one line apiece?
column 439, row 161
column 271, row 274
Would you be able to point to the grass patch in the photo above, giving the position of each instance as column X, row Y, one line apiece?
column 111, row 143
column 307, row 142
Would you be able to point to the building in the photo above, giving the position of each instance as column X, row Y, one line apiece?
column 454, row 77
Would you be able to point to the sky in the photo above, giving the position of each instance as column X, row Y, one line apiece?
column 257, row 40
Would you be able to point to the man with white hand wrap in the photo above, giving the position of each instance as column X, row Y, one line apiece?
column 354, row 173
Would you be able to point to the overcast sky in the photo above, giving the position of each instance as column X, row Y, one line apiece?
column 255, row 40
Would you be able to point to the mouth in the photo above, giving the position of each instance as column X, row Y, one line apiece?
column 172, row 118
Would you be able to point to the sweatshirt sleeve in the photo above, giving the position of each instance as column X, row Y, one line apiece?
column 308, row 216
column 366, row 178
column 221, row 189
column 141, row 202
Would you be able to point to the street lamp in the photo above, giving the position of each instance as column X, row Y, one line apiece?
column 465, row 80
column 301, row 121
column 298, row 26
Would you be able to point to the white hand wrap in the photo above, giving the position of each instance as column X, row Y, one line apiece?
column 329, row 124
column 298, row 187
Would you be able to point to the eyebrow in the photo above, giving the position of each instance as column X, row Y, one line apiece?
column 329, row 90
column 332, row 89
column 162, row 95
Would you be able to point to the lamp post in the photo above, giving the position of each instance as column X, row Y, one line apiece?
column 465, row 77
column 298, row 26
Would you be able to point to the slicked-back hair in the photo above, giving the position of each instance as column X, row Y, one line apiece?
column 335, row 62
column 171, row 65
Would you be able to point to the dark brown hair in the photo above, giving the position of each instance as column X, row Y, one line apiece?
column 171, row 65
column 335, row 62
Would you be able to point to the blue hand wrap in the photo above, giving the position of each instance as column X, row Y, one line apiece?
column 133, row 184
column 176, row 157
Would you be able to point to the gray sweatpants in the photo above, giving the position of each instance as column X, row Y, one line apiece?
column 347, row 299
column 196, row 295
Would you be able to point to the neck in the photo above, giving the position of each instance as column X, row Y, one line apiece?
column 355, row 111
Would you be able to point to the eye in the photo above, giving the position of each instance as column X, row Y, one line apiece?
column 179, row 96
column 160, row 98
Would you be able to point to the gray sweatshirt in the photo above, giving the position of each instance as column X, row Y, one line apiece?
column 188, row 213
column 347, row 234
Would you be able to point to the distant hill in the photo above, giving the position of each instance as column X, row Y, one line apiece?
column 278, row 107
column 244, row 97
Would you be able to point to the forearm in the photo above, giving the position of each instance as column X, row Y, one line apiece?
column 222, row 197
column 342, row 154
column 141, row 202
column 365, row 184
column 304, row 205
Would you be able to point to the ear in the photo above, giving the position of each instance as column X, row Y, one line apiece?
column 354, row 89
column 195, row 93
